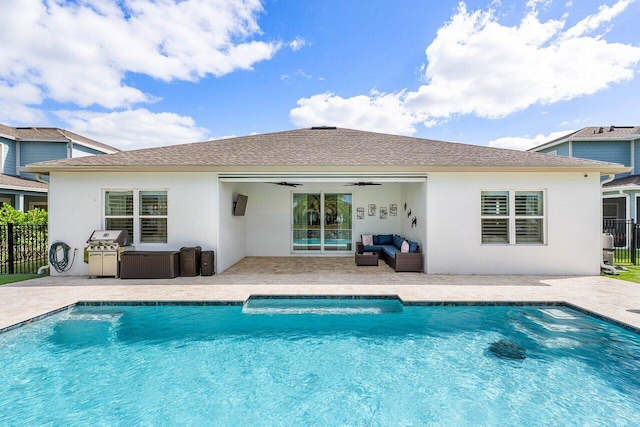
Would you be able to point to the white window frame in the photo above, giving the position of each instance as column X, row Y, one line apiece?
column 33, row 205
column 136, row 217
column 511, row 217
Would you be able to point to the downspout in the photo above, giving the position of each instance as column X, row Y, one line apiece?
column 40, row 179
column 611, row 269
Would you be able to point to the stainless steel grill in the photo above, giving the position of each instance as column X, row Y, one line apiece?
column 104, row 249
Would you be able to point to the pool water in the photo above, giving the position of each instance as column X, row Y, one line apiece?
column 306, row 362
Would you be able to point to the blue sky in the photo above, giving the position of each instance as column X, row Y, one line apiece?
column 143, row 73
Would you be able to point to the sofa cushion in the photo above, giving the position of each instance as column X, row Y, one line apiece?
column 367, row 239
column 372, row 248
column 376, row 239
column 390, row 250
column 397, row 241
column 413, row 246
column 384, row 239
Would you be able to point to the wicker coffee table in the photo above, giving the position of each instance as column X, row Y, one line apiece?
column 367, row 258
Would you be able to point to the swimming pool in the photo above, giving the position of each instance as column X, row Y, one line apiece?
column 327, row 362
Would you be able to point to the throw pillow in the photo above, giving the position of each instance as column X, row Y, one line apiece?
column 385, row 239
column 376, row 239
column 413, row 247
column 367, row 239
column 404, row 248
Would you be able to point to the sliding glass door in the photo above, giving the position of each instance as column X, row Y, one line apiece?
column 337, row 222
column 322, row 222
column 307, row 230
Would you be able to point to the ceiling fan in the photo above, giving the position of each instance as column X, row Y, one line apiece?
column 362, row 184
column 286, row 184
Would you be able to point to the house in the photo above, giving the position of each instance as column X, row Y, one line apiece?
column 618, row 144
column 22, row 145
column 472, row 209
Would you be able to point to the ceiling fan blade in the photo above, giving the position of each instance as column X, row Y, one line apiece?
column 286, row 184
column 362, row 184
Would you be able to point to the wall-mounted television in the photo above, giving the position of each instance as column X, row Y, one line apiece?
column 240, row 206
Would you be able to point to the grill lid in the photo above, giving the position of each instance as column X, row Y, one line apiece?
column 120, row 237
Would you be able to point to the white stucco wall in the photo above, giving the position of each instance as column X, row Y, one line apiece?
column 573, row 224
column 447, row 208
column 76, row 208
column 232, row 235
column 415, row 196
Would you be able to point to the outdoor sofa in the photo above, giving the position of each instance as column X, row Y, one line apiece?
column 389, row 248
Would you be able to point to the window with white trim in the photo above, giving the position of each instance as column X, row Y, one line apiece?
column 512, row 217
column 143, row 213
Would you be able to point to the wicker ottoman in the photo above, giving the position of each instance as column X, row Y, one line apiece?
column 367, row 258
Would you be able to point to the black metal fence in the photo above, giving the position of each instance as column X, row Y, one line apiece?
column 626, row 242
column 23, row 248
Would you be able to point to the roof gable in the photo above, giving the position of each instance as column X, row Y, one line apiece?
column 51, row 134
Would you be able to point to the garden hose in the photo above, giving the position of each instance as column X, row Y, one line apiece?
column 61, row 265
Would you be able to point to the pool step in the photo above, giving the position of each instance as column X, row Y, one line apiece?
column 558, row 313
column 321, row 306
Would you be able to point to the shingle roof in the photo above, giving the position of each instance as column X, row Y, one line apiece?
column 14, row 182
column 320, row 147
column 7, row 131
column 627, row 181
column 53, row 134
column 605, row 132
column 595, row 133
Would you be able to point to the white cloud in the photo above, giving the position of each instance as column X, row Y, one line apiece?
column 81, row 51
column 378, row 112
column 477, row 66
column 14, row 100
column 526, row 142
column 593, row 22
column 297, row 44
column 132, row 129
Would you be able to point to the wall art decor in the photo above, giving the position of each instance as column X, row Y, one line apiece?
column 360, row 213
column 393, row 210
column 414, row 222
column 409, row 214
column 383, row 212
column 372, row 209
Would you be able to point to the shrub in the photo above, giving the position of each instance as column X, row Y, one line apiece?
column 9, row 214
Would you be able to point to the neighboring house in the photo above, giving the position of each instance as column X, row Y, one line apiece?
column 22, row 145
column 472, row 209
column 618, row 144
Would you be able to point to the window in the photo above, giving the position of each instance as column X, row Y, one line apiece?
column 143, row 213
column 512, row 217
column 153, row 216
column 41, row 205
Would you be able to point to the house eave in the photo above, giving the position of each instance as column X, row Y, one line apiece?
column 419, row 169
column 20, row 188
column 619, row 189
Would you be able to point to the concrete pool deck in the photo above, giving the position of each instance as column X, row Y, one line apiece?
column 614, row 299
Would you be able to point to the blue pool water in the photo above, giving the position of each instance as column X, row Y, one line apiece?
column 307, row 362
